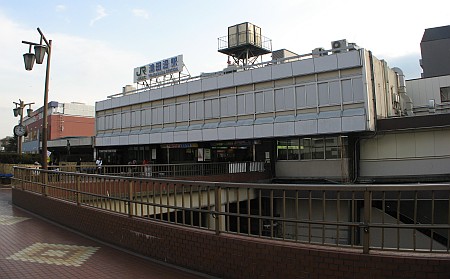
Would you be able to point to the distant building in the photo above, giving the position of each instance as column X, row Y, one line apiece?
column 435, row 48
column 71, row 127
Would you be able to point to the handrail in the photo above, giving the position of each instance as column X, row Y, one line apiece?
column 168, row 170
column 394, row 217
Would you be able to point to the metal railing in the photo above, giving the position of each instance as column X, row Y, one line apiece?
column 412, row 217
column 244, row 38
column 168, row 170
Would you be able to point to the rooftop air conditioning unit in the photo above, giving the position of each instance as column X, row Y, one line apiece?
column 339, row 46
column 319, row 51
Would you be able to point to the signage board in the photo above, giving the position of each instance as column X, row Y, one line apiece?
column 160, row 68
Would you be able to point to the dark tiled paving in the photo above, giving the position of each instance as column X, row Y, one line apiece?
column 33, row 248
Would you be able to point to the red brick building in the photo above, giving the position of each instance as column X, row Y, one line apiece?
column 71, row 127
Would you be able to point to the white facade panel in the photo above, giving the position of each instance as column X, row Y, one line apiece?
column 115, row 140
column 261, row 74
column 180, row 136
column 195, row 135
column 225, row 81
column 413, row 167
column 244, row 132
column 155, row 94
column 406, row 145
column 210, row 134
column 194, row 86
column 263, row 130
column 116, row 102
column 166, row 137
column 144, row 96
column 78, row 109
column 180, row 89
column 354, row 123
column 284, row 129
column 209, row 83
column 144, row 139
column 107, row 104
column 123, row 140
column 283, row 70
column 106, row 141
column 155, row 138
column 125, row 100
column 422, row 98
column 134, row 98
column 306, row 127
column 349, row 59
column 442, row 142
column 423, row 90
column 133, row 139
column 325, row 63
column 98, row 141
column 424, row 144
column 167, row 92
column 329, row 125
column 99, row 105
column 369, row 149
column 243, row 77
column 387, row 147
column 226, row 133
column 303, row 67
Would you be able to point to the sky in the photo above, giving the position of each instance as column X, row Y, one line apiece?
column 97, row 44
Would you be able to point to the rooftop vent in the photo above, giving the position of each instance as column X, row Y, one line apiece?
column 283, row 53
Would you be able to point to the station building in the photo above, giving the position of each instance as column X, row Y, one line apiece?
column 338, row 114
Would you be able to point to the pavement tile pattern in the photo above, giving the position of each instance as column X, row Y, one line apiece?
column 11, row 220
column 59, row 254
column 32, row 248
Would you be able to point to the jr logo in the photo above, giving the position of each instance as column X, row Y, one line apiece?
column 142, row 71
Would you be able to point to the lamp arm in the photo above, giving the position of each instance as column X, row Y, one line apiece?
column 43, row 37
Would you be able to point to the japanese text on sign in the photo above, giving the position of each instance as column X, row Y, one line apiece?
column 160, row 68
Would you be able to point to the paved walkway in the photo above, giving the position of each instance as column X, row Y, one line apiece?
column 33, row 248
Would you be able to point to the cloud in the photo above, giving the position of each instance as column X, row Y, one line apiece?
column 140, row 13
column 87, row 75
column 60, row 8
column 101, row 13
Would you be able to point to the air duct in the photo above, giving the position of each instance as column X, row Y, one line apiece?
column 406, row 103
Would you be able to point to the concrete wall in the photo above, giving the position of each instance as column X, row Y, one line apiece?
column 231, row 256
column 408, row 153
column 325, row 169
column 422, row 90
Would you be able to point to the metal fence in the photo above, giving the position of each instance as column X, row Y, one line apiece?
column 412, row 217
column 167, row 170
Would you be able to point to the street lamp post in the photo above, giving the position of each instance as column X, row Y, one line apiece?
column 29, row 59
column 20, row 130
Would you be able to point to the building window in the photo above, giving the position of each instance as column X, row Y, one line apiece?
column 305, row 149
column 445, row 94
column 318, row 148
column 315, row 148
column 288, row 149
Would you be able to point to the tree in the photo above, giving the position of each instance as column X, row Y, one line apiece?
column 10, row 144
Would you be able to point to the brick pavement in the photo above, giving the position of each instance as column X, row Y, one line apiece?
column 33, row 248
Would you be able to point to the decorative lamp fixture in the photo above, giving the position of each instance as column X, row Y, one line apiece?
column 40, row 51
column 16, row 112
column 29, row 112
column 29, row 59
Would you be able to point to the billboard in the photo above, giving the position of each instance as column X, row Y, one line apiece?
column 157, row 69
